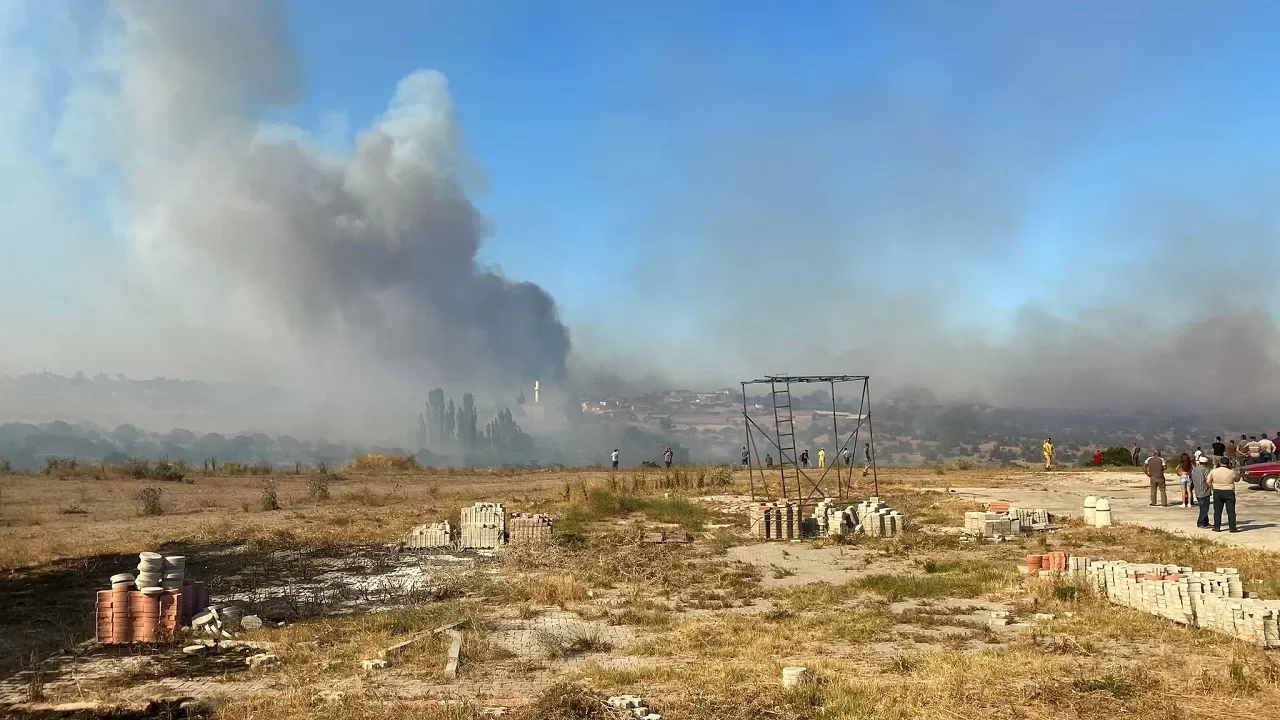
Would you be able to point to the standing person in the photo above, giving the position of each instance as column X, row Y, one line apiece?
column 848, row 457
column 1154, row 467
column 1097, row 457
column 1200, row 488
column 1219, row 449
column 1199, row 453
column 768, row 460
column 1048, row 453
column 866, row 453
column 613, row 458
column 1137, row 455
column 1233, row 452
column 822, row 457
column 1254, row 449
column 1222, row 480
column 1268, row 449
column 804, row 458
column 1184, row 477
column 746, row 456
column 668, row 456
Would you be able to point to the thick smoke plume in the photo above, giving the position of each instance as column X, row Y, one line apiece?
column 356, row 264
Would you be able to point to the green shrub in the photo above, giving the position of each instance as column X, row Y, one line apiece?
column 270, row 498
column 136, row 468
column 169, row 471
column 149, row 501
column 1117, row 456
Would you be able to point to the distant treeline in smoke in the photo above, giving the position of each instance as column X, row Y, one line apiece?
column 452, row 429
column 26, row 445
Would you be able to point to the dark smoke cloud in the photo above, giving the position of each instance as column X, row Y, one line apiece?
column 359, row 266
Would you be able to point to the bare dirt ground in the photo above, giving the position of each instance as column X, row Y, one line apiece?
column 1258, row 511
column 888, row 627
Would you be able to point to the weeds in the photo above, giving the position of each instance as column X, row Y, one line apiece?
column 318, row 487
column 6, row 466
column 579, row 640
column 149, row 501
column 270, row 499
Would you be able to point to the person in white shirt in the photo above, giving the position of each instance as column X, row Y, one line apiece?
column 613, row 457
column 1268, row 449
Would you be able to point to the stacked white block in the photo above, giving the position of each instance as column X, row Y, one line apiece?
column 877, row 519
column 484, row 526
column 1028, row 518
column 528, row 528
column 633, row 705
column 434, row 535
column 1210, row 600
column 832, row 520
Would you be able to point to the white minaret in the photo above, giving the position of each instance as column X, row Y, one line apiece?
column 535, row 392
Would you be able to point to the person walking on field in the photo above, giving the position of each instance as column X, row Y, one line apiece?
column 1154, row 467
column 1048, row 453
column 866, row 453
column 804, row 458
column 1222, row 480
column 848, row 457
column 613, row 458
column 667, row 456
column 746, row 456
column 822, row 457
column 1097, row 457
column 1200, row 489
column 1184, row 477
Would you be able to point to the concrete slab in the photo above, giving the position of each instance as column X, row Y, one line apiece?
column 1257, row 511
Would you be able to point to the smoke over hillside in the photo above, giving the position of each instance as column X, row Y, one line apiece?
column 1019, row 203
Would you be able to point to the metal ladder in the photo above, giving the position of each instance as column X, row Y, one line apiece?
column 785, row 427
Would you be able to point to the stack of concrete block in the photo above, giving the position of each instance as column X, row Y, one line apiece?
column 762, row 521
column 434, row 535
column 780, row 520
column 1210, row 600
column 1030, row 519
column 876, row 519
column 528, row 528
column 633, row 705
column 484, row 526
column 832, row 520
column 991, row 524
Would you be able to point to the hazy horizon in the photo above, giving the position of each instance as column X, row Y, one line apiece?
column 1026, row 204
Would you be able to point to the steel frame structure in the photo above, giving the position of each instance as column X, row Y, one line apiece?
column 794, row 481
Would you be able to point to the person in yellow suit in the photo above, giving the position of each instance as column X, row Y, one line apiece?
column 822, row 457
column 1048, row 453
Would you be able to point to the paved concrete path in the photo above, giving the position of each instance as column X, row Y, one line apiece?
column 1257, row 511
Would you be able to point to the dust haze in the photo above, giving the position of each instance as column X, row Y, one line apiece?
column 881, row 229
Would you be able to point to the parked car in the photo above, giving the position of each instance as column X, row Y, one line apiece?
column 1264, row 475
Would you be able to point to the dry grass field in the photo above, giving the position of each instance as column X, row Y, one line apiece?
column 889, row 628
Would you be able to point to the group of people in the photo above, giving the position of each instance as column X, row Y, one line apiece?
column 803, row 459
column 1208, row 479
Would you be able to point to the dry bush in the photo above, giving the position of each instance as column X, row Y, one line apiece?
column 545, row 590
column 318, row 486
column 270, row 499
column 381, row 463
column 149, row 501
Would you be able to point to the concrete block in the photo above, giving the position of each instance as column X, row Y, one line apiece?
column 794, row 676
column 371, row 665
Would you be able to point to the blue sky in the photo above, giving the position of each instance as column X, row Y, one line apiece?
column 664, row 168
column 583, row 114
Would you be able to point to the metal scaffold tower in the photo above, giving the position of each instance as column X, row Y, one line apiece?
column 794, row 480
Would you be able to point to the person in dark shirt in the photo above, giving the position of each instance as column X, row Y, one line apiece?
column 1137, row 455
column 1219, row 447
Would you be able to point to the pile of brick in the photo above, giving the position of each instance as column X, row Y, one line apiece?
column 634, row 706
column 434, row 535
column 776, row 521
column 484, row 526
column 1003, row 520
column 830, row 520
column 149, row 607
column 525, row 528
column 1054, row 562
column 1210, row 600
column 875, row 518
